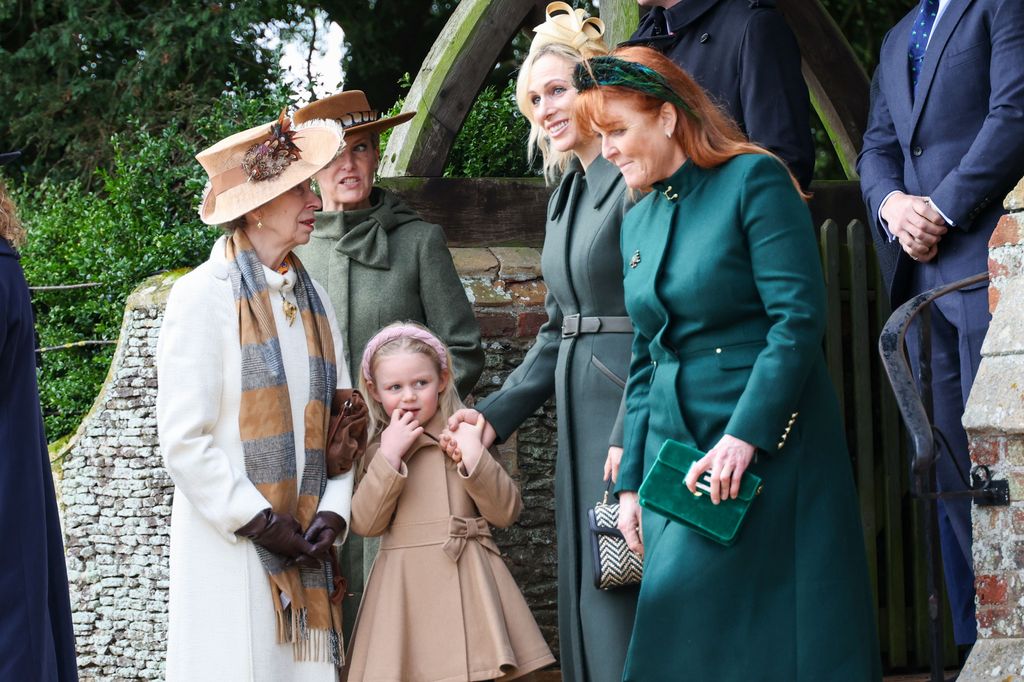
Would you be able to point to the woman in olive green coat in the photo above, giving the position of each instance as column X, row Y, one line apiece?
column 378, row 259
column 582, row 353
column 724, row 287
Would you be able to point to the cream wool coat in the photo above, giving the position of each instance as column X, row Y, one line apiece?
column 440, row 604
column 222, row 620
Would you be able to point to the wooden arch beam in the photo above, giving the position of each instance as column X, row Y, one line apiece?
column 448, row 82
column 838, row 85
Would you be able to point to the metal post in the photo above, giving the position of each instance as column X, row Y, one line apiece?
column 927, row 484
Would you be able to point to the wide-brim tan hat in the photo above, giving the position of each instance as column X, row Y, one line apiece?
column 352, row 111
column 235, row 187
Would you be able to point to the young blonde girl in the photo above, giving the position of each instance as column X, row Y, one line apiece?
column 440, row 603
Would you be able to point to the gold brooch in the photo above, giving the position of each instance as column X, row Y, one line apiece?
column 635, row 260
column 289, row 309
column 668, row 194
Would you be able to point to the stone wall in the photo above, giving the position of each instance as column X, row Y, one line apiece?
column 118, row 496
column 994, row 419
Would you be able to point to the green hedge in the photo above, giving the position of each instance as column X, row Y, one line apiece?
column 142, row 222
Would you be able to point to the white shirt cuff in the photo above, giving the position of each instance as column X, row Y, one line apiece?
column 944, row 216
column 881, row 221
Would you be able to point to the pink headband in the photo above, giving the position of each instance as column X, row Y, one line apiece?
column 390, row 334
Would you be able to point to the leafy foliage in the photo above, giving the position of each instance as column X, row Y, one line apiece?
column 80, row 71
column 492, row 142
column 144, row 221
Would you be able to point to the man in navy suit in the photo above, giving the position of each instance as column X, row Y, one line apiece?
column 746, row 57
column 943, row 147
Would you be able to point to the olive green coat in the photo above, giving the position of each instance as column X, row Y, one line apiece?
column 384, row 264
column 583, row 273
column 728, row 303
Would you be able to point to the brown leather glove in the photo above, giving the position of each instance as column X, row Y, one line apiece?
column 322, row 532
column 277, row 533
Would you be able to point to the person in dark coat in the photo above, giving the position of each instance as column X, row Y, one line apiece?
column 943, row 147
column 36, row 639
column 746, row 57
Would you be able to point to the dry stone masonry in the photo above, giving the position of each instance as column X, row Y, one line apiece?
column 117, row 494
column 994, row 420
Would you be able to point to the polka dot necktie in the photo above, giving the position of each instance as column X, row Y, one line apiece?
column 919, row 38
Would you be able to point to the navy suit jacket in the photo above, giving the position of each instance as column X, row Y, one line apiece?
column 745, row 56
column 959, row 140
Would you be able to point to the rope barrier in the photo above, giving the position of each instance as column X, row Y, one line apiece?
column 76, row 344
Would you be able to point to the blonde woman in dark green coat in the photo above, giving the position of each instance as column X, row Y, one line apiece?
column 582, row 353
column 724, row 287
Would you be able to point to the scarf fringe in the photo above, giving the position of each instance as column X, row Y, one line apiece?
column 309, row 644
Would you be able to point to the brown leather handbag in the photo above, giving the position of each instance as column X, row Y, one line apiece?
column 346, row 431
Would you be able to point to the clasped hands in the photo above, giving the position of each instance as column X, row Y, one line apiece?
column 464, row 446
column 281, row 534
column 914, row 221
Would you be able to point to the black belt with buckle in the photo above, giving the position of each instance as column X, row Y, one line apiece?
column 574, row 325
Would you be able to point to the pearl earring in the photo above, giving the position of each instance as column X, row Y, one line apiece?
column 259, row 224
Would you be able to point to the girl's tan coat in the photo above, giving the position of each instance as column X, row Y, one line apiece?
column 440, row 604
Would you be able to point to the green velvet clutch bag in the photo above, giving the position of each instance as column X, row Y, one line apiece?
column 664, row 491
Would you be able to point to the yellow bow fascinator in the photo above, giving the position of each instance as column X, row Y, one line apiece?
column 571, row 27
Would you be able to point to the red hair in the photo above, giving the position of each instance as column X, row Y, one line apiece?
column 705, row 134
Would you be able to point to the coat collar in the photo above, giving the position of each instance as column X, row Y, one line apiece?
column 685, row 13
column 601, row 177
column 362, row 235
column 940, row 36
column 7, row 250
column 679, row 184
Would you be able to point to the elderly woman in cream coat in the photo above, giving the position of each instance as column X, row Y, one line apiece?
column 248, row 360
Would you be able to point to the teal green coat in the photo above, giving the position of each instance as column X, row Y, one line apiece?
column 583, row 274
column 385, row 264
column 728, row 304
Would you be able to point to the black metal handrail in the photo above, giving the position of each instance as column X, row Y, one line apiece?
column 914, row 399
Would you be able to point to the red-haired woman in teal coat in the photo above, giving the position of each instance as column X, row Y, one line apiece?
column 724, row 288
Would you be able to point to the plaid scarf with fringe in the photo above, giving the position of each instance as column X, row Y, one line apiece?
column 306, row 616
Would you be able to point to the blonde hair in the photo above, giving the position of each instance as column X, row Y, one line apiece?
column 555, row 162
column 448, row 399
column 705, row 134
column 10, row 225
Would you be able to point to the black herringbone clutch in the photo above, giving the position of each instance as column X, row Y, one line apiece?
column 615, row 565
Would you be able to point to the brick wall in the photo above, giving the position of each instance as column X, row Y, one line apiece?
column 118, row 496
column 995, row 424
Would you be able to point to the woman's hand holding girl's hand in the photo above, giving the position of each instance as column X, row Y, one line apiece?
column 450, row 446
column 469, row 443
column 398, row 437
column 629, row 521
column 727, row 461
column 471, row 416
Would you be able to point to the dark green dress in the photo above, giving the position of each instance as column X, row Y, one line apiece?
column 728, row 302
column 583, row 273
